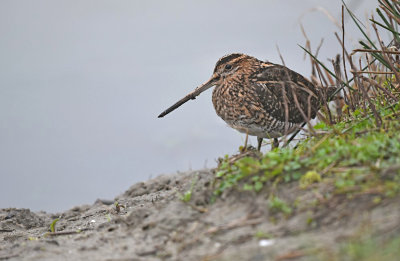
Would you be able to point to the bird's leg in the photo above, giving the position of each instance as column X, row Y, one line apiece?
column 275, row 144
column 260, row 140
column 245, row 142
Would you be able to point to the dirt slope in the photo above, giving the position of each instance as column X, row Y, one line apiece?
column 157, row 225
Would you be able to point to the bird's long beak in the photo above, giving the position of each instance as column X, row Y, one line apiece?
column 191, row 96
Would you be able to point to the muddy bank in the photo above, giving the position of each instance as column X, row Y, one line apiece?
column 154, row 223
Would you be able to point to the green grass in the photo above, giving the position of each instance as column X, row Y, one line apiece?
column 53, row 225
column 187, row 196
column 278, row 205
column 352, row 155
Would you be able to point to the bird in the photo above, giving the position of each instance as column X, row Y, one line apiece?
column 260, row 98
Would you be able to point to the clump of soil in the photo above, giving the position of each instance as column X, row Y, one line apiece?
column 152, row 222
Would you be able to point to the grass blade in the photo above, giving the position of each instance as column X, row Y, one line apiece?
column 356, row 21
column 325, row 68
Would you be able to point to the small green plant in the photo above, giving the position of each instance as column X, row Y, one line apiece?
column 276, row 204
column 309, row 178
column 187, row 196
column 53, row 225
column 263, row 235
column 118, row 206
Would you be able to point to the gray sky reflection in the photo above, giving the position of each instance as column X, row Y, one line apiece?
column 82, row 83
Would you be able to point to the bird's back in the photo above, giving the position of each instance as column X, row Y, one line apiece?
column 266, row 99
column 285, row 94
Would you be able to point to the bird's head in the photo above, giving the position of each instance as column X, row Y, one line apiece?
column 227, row 68
column 229, row 64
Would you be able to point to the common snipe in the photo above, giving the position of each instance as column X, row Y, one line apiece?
column 260, row 98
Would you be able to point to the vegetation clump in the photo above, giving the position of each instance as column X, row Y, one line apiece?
column 354, row 149
column 352, row 155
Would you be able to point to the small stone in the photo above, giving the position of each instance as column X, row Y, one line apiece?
column 266, row 242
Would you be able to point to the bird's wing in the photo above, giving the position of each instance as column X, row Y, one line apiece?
column 285, row 94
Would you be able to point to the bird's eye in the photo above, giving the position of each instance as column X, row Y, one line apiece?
column 228, row 66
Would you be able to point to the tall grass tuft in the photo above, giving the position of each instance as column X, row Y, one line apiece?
column 375, row 83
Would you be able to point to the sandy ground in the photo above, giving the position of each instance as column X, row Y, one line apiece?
column 157, row 225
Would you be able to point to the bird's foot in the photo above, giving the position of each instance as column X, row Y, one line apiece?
column 243, row 149
column 275, row 144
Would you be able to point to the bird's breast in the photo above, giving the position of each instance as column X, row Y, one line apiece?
column 238, row 105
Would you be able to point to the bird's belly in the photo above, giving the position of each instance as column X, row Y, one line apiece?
column 248, row 116
column 267, row 131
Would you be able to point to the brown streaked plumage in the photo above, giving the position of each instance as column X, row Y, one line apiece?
column 259, row 98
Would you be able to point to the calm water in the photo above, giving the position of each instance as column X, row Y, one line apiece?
column 82, row 83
